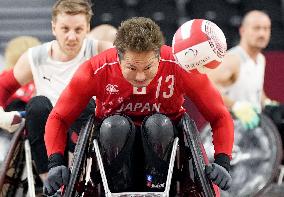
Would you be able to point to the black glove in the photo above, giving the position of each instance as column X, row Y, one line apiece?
column 218, row 171
column 57, row 176
column 219, row 175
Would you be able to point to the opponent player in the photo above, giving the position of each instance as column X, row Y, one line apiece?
column 240, row 77
column 104, row 32
column 51, row 67
column 13, row 51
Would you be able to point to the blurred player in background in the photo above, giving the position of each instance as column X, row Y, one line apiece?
column 103, row 32
column 51, row 67
column 240, row 77
column 13, row 51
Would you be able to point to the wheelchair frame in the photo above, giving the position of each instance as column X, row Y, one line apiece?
column 17, row 160
column 85, row 143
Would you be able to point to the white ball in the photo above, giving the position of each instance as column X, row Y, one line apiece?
column 198, row 43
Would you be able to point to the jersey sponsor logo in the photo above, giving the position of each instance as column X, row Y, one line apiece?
column 112, row 89
column 158, row 185
column 45, row 78
column 120, row 100
column 140, row 107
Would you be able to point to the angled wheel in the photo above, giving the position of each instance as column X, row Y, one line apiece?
column 76, row 185
column 13, row 166
column 194, row 145
column 256, row 157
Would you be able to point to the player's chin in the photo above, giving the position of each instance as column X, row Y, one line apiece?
column 72, row 50
column 262, row 44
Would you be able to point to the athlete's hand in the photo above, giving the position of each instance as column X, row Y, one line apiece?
column 245, row 112
column 269, row 102
column 219, row 175
column 10, row 121
column 56, row 177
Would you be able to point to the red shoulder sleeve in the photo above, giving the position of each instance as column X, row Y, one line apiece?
column 209, row 102
column 8, row 85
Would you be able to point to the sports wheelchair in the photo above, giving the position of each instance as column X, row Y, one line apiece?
column 17, row 173
column 256, row 157
column 187, row 158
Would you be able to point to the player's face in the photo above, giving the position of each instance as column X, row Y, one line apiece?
column 70, row 31
column 257, row 32
column 139, row 69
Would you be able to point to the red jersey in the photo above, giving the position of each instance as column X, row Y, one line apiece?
column 101, row 76
column 24, row 93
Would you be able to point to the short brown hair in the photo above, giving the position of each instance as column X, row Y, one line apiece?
column 138, row 34
column 72, row 7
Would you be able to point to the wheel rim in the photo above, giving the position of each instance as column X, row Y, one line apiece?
column 255, row 158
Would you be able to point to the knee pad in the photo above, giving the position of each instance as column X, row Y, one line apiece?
column 158, row 133
column 37, row 111
column 116, row 137
column 39, row 104
column 157, row 138
column 116, row 133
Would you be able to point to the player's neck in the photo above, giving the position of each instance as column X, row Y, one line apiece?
column 57, row 54
column 252, row 52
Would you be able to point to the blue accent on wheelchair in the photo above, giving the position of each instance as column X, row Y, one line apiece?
column 22, row 114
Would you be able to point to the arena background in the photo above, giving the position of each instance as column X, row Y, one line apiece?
column 32, row 17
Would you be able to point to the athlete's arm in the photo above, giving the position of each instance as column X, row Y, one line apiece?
column 225, row 75
column 70, row 104
column 209, row 102
column 22, row 70
column 10, row 81
column 13, row 79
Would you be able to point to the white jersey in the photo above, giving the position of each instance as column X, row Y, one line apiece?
column 249, row 85
column 50, row 76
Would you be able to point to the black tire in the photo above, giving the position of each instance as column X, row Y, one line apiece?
column 257, row 155
column 13, row 166
column 194, row 144
column 78, row 171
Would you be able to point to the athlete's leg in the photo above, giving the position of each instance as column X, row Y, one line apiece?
column 157, row 137
column 16, row 105
column 37, row 111
column 116, row 139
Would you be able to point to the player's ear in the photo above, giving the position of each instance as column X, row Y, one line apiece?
column 89, row 28
column 53, row 27
column 120, row 55
column 157, row 53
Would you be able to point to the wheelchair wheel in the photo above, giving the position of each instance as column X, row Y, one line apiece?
column 256, row 157
column 194, row 145
column 13, row 166
column 76, row 185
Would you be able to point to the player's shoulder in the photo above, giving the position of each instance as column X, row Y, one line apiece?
column 237, row 53
column 38, row 54
column 166, row 55
column 40, row 48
